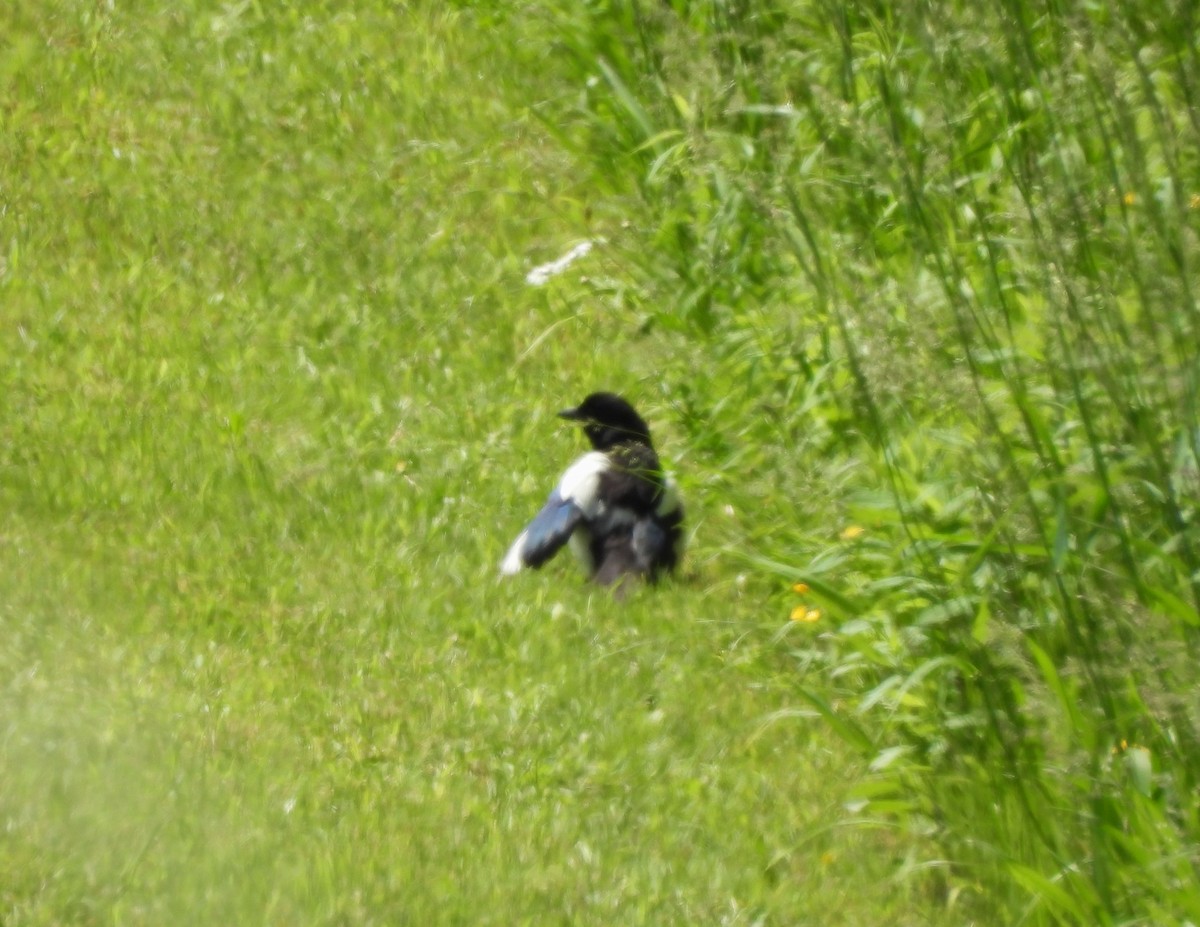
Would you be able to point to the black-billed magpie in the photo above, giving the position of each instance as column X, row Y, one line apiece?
column 616, row 506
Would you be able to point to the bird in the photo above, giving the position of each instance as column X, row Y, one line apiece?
column 618, row 509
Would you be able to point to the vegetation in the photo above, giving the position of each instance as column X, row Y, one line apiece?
column 907, row 294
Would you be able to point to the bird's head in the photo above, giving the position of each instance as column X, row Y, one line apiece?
column 608, row 420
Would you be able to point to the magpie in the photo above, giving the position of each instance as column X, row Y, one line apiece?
column 620, row 512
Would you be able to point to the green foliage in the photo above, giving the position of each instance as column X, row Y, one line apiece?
column 942, row 259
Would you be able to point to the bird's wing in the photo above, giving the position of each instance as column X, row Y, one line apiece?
column 545, row 535
column 649, row 541
column 574, row 500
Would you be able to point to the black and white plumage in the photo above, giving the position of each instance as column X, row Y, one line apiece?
column 619, row 511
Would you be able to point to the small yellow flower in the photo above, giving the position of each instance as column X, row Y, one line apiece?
column 805, row 614
column 800, row 588
column 850, row 532
column 1129, row 199
column 1194, row 202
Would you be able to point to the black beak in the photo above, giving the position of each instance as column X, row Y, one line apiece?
column 572, row 414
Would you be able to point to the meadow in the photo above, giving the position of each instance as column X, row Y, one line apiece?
column 908, row 297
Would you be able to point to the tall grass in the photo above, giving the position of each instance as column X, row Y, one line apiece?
column 946, row 255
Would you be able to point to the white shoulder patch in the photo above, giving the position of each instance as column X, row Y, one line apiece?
column 581, row 483
column 670, row 501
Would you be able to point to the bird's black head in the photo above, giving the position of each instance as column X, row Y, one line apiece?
column 608, row 420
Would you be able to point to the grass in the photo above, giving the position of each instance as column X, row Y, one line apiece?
column 905, row 294
column 276, row 398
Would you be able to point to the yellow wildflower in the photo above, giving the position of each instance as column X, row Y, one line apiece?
column 800, row 588
column 805, row 614
column 850, row 532
column 1194, row 202
column 1129, row 198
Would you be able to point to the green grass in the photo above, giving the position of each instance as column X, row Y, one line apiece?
column 276, row 395
column 276, row 398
